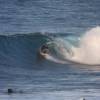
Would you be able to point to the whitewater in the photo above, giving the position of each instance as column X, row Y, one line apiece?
column 86, row 51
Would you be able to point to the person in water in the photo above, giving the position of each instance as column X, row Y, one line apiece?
column 45, row 49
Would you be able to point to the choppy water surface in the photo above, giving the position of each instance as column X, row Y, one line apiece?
column 68, row 75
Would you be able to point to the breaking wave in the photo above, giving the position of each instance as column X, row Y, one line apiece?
column 82, row 49
column 22, row 50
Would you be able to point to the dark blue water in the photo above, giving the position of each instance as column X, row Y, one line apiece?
column 25, row 16
column 21, row 67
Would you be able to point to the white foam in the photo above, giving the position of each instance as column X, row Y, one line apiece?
column 51, row 58
column 88, row 51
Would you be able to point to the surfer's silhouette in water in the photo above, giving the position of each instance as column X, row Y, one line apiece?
column 44, row 49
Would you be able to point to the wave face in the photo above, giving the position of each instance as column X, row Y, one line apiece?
column 22, row 50
column 80, row 49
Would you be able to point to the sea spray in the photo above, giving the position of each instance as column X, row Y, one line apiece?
column 85, row 52
column 89, row 48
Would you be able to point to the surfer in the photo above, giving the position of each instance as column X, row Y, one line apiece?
column 44, row 49
column 9, row 91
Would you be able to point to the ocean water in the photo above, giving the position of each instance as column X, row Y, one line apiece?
column 70, row 29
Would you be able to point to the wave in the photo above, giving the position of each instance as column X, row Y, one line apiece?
column 83, row 49
column 22, row 50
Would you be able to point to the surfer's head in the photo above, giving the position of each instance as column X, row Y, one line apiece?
column 45, row 49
